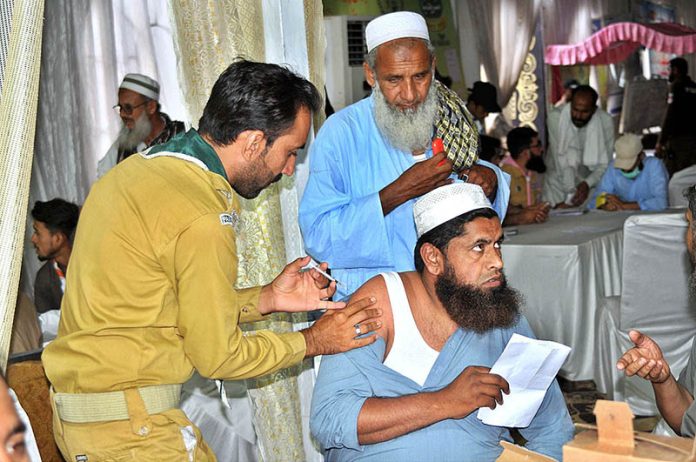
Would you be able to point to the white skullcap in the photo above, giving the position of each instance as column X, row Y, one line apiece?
column 446, row 202
column 141, row 84
column 392, row 26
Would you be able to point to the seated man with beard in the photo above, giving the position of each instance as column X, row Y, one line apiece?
column 373, row 159
column 413, row 394
column 523, row 165
column 144, row 124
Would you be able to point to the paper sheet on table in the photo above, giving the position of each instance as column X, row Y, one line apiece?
column 529, row 366
column 568, row 211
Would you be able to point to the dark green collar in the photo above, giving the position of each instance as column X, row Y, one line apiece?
column 192, row 144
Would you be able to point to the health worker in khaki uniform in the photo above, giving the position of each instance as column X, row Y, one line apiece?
column 151, row 292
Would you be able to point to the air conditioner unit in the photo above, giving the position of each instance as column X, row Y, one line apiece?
column 345, row 53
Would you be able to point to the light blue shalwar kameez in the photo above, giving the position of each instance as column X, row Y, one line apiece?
column 346, row 380
column 340, row 213
column 649, row 188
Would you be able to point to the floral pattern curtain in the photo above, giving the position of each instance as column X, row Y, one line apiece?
column 208, row 36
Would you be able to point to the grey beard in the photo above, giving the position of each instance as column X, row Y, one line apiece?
column 409, row 130
column 130, row 139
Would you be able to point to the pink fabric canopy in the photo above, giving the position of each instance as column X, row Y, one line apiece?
column 616, row 42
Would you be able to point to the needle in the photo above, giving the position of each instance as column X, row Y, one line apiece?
column 324, row 273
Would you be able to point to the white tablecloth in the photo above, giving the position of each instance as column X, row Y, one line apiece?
column 564, row 267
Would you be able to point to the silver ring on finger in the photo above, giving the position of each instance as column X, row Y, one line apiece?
column 357, row 329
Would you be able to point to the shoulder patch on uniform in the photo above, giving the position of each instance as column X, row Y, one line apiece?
column 230, row 219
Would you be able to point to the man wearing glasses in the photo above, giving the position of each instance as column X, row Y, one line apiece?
column 524, row 164
column 144, row 124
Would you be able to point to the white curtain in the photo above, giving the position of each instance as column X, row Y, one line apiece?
column 20, row 49
column 504, row 30
column 88, row 46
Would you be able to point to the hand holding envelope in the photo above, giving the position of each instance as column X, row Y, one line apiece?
column 529, row 366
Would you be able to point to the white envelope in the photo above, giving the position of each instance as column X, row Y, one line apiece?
column 529, row 366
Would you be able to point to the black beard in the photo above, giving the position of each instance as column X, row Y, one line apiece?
column 475, row 309
column 579, row 123
column 536, row 163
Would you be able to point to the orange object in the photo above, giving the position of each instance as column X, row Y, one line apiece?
column 438, row 147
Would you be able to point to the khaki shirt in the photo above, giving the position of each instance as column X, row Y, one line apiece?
column 150, row 291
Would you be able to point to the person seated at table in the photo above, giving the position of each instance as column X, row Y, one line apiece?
column 413, row 394
column 674, row 398
column 581, row 138
column 523, row 164
column 632, row 181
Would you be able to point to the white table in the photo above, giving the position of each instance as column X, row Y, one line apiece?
column 564, row 267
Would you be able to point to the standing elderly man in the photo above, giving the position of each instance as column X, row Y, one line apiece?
column 581, row 142
column 151, row 290
column 413, row 394
column 675, row 398
column 371, row 160
column 144, row 124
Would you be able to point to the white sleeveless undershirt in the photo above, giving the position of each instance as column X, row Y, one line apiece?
column 410, row 356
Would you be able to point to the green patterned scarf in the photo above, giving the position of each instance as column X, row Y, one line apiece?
column 455, row 126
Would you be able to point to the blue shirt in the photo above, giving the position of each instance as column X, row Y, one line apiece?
column 341, row 215
column 347, row 380
column 649, row 188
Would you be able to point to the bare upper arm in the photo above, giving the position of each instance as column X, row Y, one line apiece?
column 376, row 287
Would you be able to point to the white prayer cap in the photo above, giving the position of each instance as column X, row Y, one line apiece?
column 141, row 84
column 627, row 149
column 446, row 202
column 392, row 26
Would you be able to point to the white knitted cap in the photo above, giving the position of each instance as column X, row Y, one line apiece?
column 446, row 202
column 141, row 84
column 392, row 26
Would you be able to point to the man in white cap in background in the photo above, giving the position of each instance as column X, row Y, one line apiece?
column 373, row 159
column 414, row 393
column 632, row 181
column 144, row 124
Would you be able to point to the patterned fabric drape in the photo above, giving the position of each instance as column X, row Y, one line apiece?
column 316, row 47
column 208, row 37
column 21, row 24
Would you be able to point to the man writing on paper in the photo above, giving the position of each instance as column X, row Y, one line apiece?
column 632, row 181
column 581, row 142
column 675, row 398
column 412, row 395
column 151, row 289
column 372, row 160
